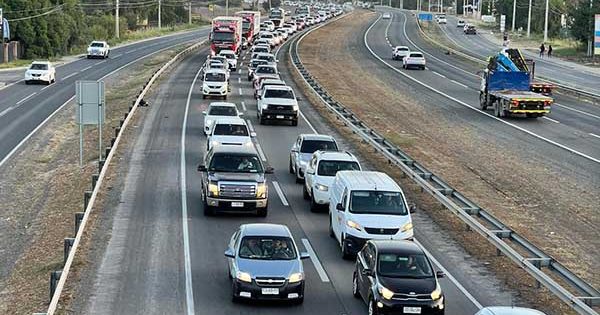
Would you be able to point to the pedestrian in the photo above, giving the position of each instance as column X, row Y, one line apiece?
column 542, row 49
column 549, row 51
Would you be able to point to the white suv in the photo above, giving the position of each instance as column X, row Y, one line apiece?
column 218, row 110
column 215, row 83
column 320, row 174
column 400, row 52
column 414, row 59
column 303, row 149
column 231, row 58
column 229, row 131
column 98, row 49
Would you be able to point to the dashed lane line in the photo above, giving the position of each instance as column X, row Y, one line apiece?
column 280, row 193
column 26, row 98
column 552, row 120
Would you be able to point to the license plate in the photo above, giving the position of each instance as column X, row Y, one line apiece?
column 279, row 116
column 412, row 310
column 270, row 291
column 237, row 204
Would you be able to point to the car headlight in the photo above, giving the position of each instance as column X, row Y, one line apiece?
column 322, row 187
column 209, row 123
column 296, row 277
column 295, row 107
column 204, row 87
column 385, row 292
column 437, row 293
column 213, row 190
column 353, row 225
column 243, row 276
column 407, row 227
column 264, row 106
column 261, row 190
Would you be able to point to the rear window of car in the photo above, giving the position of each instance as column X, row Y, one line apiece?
column 402, row 49
column 310, row 146
column 230, row 130
column 97, row 45
column 416, row 55
column 263, row 69
column 39, row 66
column 228, row 56
column 222, row 111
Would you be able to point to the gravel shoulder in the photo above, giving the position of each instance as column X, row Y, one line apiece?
column 549, row 205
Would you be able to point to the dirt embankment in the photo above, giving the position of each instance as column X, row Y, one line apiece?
column 42, row 188
column 550, row 208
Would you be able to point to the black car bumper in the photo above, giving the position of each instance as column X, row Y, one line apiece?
column 398, row 307
column 279, row 114
column 252, row 291
column 354, row 244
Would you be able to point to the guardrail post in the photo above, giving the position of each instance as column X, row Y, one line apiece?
column 54, row 277
column 106, row 151
column 100, row 165
column 68, row 243
column 78, row 218
column 87, row 195
column 94, row 180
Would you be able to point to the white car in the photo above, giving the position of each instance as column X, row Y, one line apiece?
column 231, row 58
column 265, row 83
column 277, row 103
column 215, row 83
column 414, row 59
column 442, row 19
column 218, row 110
column 320, row 174
column 507, row 310
column 229, row 131
column 303, row 149
column 460, row 23
column 269, row 25
column 400, row 52
column 263, row 72
column 98, row 49
column 40, row 71
column 271, row 39
column 386, row 16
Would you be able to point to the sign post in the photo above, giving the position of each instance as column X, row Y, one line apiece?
column 90, row 110
column 597, row 34
column 502, row 23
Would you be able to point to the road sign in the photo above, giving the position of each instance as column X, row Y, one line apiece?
column 425, row 17
column 90, row 110
column 502, row 23
column 597, row 35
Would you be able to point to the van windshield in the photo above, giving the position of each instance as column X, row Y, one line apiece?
column 377, row 202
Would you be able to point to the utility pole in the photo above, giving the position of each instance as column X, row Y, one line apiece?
column 590, row 51
column 190, row 12
column 159, row 9
column 514, row 16
column 529, row 20
column 116, row 18
column 227, row 7
column 546, row 22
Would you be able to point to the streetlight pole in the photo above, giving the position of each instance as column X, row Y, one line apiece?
column 159, row 9
column 546, row 21
column 190, row 12
column 529, row 20
column 514, row 14
column 227, row 7
column 116, row 19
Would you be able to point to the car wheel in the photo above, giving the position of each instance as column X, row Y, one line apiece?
column 331, row 233
column 27, row 82
column 262, row 212
column 203, row 97
column 299, row 301
column 290, row 167
column 262, row 121
column 345, row 253
column 314, row 206
column 355, row 291
column 295, row 122
column 305, row 193
column 371, row 307
column 298, row 179
column 234, row 298
column 208, row 210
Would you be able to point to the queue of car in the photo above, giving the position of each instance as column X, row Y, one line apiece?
column 410, row 59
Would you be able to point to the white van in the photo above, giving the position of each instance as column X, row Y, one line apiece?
column 365, row 206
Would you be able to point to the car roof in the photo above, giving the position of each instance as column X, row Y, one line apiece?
column 230, row 120
column 510, row 310
column 278, row 87
column 272, row 82
column 234, row 149
column 41, row 62
column 403, row 47
column 335, row 155
column 265, row 229
column 368, row 180
column 397, row 247
column 270, row 65
column 221, row 104
column 213, row 70
column 316, row 136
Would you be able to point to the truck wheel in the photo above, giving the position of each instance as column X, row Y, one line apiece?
column 345, row 253
column 208, row 210
column 497, row 108
column 262, row 121
column 262, row 212
column 483, row 104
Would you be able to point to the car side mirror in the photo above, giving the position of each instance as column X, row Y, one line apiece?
column 201, row 168
column 204, row 112
column 269, row 170
column 440, row 274
column 339, row 207
column 258, row 97
column 229, row 253
column 369, row 272
column 304, row 255
column 295, row 150
column 412, row 208
column 241, row 115
column 253, row 134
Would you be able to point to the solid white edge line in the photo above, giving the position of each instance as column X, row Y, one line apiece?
column 594, row 135
column 263, row 157
column 244, row 106
column 552, row 120
column 250, row 125
column 531, row 133
column 315, row 260
column 280, row 193
column 26, row 98
column 577, row 110
column 308, row 122
column 450, row 277
column 189, row 289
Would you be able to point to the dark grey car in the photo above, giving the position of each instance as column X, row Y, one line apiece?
column 264, row 264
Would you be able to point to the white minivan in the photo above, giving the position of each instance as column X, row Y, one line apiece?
column 364, row 206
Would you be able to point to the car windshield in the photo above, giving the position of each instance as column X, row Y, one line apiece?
column 97, row 45
column 261, row 49
column 256, row 63
column 228, row 55
column 245, row 25
column 310, row 146
column 235, row 163
column 223, row 36
column 402, row 49
column 222, row 111
column 270, row 93
column 377, row 202
column 214, row 77
column 330, row 168
column 267, row 248
column 416, row 55
column 269, row 70
column 267, row 36
column 404, row 266
column 230, row 130
column 267, row 58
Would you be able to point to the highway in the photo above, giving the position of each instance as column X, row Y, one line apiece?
column 165, row 257
column 24, row 108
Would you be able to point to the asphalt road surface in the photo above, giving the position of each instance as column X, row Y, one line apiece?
column 25, row 107
column 166, row 257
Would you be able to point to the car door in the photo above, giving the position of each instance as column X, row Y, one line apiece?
column 361, row 265
column 340, row 216
column 233, row 242
column 294, row 152
column 310, row 174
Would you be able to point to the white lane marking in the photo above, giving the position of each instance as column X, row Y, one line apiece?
column 250, row 125
column 116, row 56
column 315, row 261
column 280, row 193
column 6, row 111
column 70, row 75
column 101, row 62
column 84, row 69
column 11, row 84
column 239, row 80
column 451, row 278
column 531, row 133
column 26, row 98
column 45, row 87
column 439, row 74
column 241, row 64
column 577, row 110
column 240, row 91
column 263, row 157
column 240, row 71
column 552, row 120
column 244, row 106
column 456, row 82
column 591, row 134
column 308, row 122
column 189, row 289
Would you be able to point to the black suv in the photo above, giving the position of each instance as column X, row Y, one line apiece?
column 396, row 277
column 233, row 179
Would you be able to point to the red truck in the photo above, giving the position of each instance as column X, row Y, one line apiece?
column 226, row 34
column 250, row 24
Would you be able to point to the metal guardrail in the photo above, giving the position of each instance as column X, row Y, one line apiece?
column 562, row 86
column 59, row 278
column 522, row 252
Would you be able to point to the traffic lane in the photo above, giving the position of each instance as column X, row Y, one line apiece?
column 142, row 270
column 209, row 236
column 560, row 133
column 581, row 116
